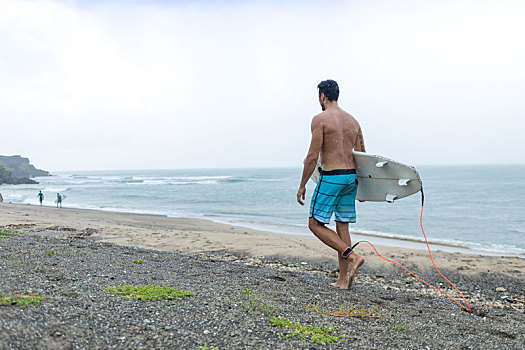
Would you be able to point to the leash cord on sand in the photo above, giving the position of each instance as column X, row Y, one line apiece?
column 431, row 258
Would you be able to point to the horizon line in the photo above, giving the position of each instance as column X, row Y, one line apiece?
column 279, row 167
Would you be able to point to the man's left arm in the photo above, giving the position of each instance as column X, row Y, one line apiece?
column 311, row 158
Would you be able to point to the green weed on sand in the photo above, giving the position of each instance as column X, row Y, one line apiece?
column 254, row 303
column 313, row 333
column 316, row 334
column 149, row 292
column 22, row 300
column 8, row 233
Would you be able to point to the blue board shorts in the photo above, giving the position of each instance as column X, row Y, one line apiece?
column 335, row 194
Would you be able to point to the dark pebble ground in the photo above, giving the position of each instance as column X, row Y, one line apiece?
column 78, row 312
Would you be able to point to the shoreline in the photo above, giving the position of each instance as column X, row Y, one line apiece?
column 201, row 235
column 380, row 240
column 394, row 241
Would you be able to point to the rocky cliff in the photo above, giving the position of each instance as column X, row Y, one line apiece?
column 17, row 170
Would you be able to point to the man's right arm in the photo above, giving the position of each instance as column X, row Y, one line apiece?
column 311, row 158
column 359, row 144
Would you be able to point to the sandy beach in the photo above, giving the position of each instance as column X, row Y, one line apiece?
column 493, row 285
column 197, row 236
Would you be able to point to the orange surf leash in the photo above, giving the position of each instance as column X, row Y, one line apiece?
column 467, row 308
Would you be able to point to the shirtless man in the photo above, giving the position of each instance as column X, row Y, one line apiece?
column 334, row 134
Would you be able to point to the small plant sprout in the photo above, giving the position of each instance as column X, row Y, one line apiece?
column 313, row 307
column 397, row 325
column 247, row 291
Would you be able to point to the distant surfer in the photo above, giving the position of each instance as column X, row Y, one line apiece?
column 59, row 200
column 334, row 134
column 40, row 197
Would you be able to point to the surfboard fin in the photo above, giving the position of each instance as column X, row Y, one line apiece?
column 403, row 182
column 390, row 198
column 380, row 164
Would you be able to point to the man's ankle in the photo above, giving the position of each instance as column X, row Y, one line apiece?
column 347, row 252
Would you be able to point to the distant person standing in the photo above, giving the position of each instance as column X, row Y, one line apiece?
column 40, row 197
column 59, row 200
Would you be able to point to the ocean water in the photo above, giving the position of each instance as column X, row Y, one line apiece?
column 480, row 207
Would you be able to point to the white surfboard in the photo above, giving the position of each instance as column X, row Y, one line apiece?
column 381, row 179
column 63, row 197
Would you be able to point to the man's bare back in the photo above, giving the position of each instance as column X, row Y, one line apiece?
column 341, row 134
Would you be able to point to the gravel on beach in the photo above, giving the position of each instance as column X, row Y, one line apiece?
column 235, row 296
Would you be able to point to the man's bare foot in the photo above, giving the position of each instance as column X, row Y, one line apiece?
column 356, row 263
column 342, row 285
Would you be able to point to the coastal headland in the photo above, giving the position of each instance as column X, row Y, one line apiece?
column 251, row 289
column 16, row 170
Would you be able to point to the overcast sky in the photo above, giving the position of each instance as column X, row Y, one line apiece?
column 88, row 85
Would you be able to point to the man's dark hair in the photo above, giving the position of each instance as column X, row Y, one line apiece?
column 330, row 89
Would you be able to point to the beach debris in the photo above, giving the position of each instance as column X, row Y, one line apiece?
column 500, row 289
column 478, row 311
column 83, row 234
column 60, row 228
column 277, row 278
column 236, row 259
column 18, row 228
